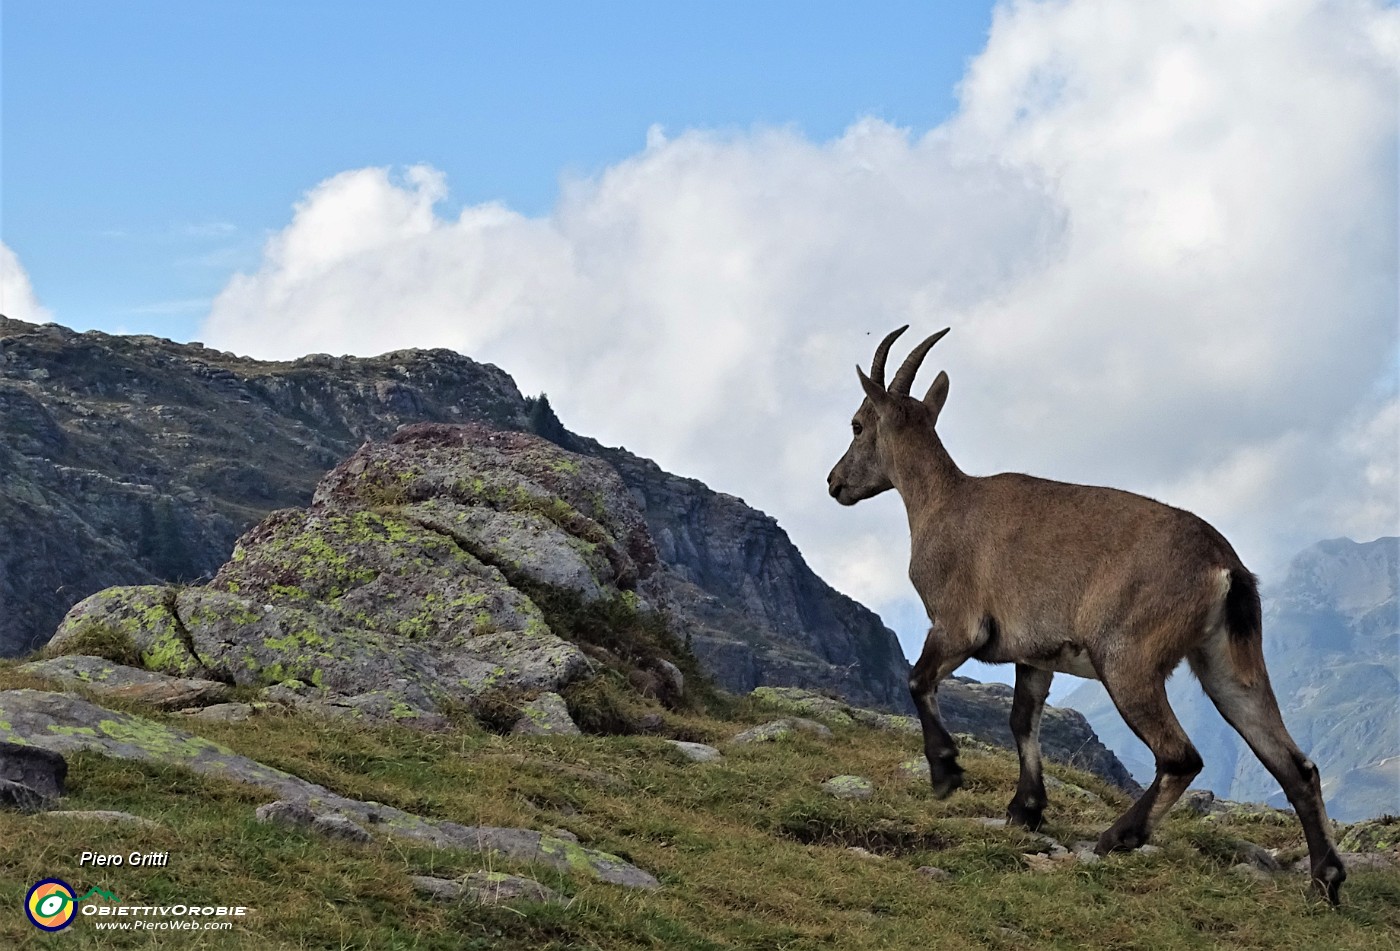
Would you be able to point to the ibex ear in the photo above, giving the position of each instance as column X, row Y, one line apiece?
column 937, row 394
column 874, row 391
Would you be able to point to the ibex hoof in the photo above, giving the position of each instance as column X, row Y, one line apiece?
column 1024, row 817
column 1124, row 840
column 945, row 784
column 1328, row 876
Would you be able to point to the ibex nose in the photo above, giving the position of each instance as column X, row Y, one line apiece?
column 833, row 485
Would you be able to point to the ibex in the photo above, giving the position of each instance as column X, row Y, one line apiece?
column 1080, row 579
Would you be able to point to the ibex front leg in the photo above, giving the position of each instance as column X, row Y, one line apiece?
column 934, row 664
column 1032, row 687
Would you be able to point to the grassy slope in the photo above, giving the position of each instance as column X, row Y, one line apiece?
column 749, row 852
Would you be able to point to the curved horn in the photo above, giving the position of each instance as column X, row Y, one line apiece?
column 905, row 377
column 877, row 367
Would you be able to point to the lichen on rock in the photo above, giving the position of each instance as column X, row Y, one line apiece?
column 402, row 587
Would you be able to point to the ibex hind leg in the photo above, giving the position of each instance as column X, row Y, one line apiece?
column 1247, row 703
column 935, row 663
column 1032, row 687
column 1141, row 697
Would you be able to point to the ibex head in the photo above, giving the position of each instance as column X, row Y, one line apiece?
column 883, row 415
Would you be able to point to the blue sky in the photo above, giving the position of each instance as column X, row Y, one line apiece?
column 150, row 147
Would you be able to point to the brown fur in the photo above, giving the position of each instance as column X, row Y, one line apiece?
column 1083, row 579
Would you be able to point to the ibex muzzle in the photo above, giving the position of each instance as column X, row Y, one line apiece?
column 1080, row 579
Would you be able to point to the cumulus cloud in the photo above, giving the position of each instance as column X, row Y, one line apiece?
column 1165, row 236
column 17, row 300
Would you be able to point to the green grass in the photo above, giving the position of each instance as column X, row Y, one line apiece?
column 750, row 854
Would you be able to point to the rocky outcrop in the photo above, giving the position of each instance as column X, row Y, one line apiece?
column 406, row 584
column 131, row 460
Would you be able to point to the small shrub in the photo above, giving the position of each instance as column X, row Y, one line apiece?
column 101, row 639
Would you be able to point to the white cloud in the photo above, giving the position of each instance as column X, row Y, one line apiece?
column 1164, row 234
column 17, row 300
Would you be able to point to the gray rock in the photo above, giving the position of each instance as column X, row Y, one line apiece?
column 108, row 679
column 1084, row 853
column 41, row 770
column 287, row 812
column 913, row 769
column 341, row 828
column 486, row 887
column 1373, row 835
column 494, row 888
column 15, row 795
column 546, row 715
column 440, row 889
column 1251, row 871
column 848, row 787
column 1257, row 856
column 227, row 712
column 781, row 729
column 934, row 872
column 1195, row 802
column 103, row 815
column 696, row 752
column 61, row 722
column 675, row 680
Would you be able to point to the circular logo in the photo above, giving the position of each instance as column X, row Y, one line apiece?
column 49, row 905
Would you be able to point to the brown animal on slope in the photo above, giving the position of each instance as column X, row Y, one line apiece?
column 1080, row 579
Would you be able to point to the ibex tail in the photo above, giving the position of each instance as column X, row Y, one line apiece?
column 1243, row 616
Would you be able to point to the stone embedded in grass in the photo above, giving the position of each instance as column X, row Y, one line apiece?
column 62, row 722
column 546, row 715
column 1194, row 803
column 41, row 770
column 848, row 787
column 781, row 729
column 104, row 815
column 19, row 796
column 1250, row 871
column 105, row 678
column 1255, row 856
column 488, row 888
column 493, row 888
column 439, row 889
column 341, row 828
column 913, row 769
column 696, row 752
column 227, row 712
column 286, row 812
column 934, row 872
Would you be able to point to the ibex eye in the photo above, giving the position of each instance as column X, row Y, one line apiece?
column 855, row 428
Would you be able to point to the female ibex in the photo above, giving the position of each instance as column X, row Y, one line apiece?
column 1089, row 581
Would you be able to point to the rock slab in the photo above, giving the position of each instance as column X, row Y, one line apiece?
column 62, row 723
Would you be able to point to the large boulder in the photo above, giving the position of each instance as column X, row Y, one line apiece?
column 406, row 584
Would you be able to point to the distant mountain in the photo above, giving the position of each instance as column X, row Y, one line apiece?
column 1332, row 640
